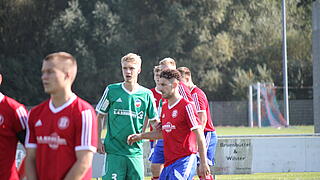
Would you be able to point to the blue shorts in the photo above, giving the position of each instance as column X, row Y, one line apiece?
column 157, row 156
column 152, row 144
column 182, row 169
column 211, row 143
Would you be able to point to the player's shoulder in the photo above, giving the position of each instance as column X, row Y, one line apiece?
column 198, row 90
column 81, row 104
column 38, row 108
column 115, row 86
column 12, row 102
column 143, row 89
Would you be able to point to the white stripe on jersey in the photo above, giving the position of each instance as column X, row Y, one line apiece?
column 182, row 92
column 196, row 101
column 191, row 115
column 86, row 128
column 103, row 103
column 27, row 143
column 22, row 114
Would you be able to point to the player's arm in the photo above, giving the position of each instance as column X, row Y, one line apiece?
column 31, row 164
column 101, row 119
column 203, row 167
column 102, row 108
column 203, row 118
column 156, row 134
column 145, row 124
column 81, row 166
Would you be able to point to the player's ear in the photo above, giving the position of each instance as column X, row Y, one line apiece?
column 0, row 79
column 175, row 83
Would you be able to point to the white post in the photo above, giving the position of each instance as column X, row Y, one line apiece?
column 285, row 71
column 258, row 105
column 250, row 107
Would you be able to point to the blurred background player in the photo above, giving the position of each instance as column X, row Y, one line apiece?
column 182, row 134
column 13, row 119
column 62, row 131
column 127, row 105
column 156, row 162
column 203, row 110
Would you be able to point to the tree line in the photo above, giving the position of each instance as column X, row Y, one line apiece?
column 227, row 44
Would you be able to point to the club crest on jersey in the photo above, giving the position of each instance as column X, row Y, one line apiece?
column 137, row 103
column 1, row 119
column 174, row 113
column 168, row 127
column 63, row 122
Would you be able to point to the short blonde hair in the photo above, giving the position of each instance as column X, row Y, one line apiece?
column 64, row 57
column 131, row 57
column 168, row 62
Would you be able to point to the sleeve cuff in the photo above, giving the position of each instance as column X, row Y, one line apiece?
column 31, row 145
column 195, row 127
column 100, row 112
column 90, row 148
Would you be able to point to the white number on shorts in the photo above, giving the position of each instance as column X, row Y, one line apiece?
column 114, row 176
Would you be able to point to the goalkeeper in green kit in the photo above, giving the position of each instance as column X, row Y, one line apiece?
column 127, row 106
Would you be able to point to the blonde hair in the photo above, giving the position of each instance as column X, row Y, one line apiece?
column 168, row 62
column 70, row 63
column 131, row 57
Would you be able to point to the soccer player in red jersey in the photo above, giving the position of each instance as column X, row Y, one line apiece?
column 181, row 131
column 13, row 119
column 203, row 110
column 62, row 131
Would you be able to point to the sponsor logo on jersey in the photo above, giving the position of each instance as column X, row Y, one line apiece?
column 163, row 116
column 1, row 119
column 174, row 113
column 63, row 122
column 137, row 103
column 168, row 127
column 53, row 141
column 38, row 123
column 123, row 112
column 119, row 100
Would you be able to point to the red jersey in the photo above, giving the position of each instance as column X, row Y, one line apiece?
column 57, row 133
column 178, row 121
column 157, row 95
column 184, row 91
column 202, row 105
column 13, row 118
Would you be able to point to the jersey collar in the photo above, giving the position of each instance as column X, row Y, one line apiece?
column 60, row 108
column 193, row 88
column 174, row 104
column 130, row 92
column 157, row 90
column 1, row 97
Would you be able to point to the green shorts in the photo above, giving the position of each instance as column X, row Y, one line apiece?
column 123, row 168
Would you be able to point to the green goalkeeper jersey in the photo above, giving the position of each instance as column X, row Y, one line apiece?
column 127, row 112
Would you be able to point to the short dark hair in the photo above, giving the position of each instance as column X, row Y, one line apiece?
column 171, row 74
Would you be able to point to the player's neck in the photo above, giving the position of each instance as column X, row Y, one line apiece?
column 131, row 86
column 172, row 100
column 58, row 99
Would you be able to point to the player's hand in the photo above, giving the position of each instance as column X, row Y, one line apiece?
column 101, row 149
column 158, row 126
column 204, row 169
column 133, row 138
